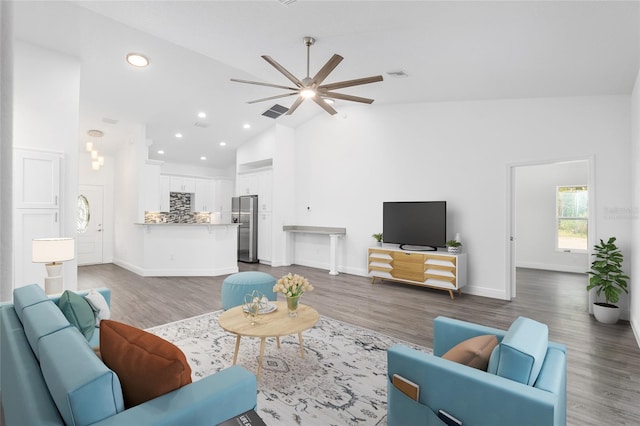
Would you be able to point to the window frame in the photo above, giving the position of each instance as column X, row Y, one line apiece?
column 559, row 218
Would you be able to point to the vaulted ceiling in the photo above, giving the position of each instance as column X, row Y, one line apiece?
column 449, row 50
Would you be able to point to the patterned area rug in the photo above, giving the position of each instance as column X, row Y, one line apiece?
column 340, row 381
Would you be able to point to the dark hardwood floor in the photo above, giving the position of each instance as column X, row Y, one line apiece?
column 603, row 360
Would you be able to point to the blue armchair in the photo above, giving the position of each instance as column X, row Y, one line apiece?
column 525, row 384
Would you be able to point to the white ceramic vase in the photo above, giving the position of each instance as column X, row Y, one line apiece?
column 606, row 313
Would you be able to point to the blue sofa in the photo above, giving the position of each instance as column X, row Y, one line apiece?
column 50, row 375
column 525, row 383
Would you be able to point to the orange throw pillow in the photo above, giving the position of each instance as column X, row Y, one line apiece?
column 474, row 352
column 147, row 365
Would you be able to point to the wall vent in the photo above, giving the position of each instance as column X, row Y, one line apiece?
column 275, row 111
column 201, row 125
column 286, row 2
column 397, row 73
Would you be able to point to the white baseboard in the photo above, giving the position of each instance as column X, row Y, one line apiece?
column 144, row 272
column 549, row 267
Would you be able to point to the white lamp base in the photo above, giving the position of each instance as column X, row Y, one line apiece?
column 53, row 285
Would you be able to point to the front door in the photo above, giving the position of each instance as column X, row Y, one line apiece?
column 90, row 201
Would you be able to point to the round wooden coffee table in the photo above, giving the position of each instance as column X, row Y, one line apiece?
column 274, row 324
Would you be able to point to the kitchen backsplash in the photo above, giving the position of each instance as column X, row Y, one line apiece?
column 180, row 211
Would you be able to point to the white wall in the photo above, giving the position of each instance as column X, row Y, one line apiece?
column 104, row 178
column 46, row 93
column 190, row 170
column 6, row 156
column 535, row 198
column 348, row 164
column 633, row 262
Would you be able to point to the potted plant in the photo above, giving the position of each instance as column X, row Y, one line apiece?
column 378, row 238
column 607, row 277
column 454, row 246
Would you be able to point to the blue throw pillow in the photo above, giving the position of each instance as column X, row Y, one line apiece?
column 78, row 312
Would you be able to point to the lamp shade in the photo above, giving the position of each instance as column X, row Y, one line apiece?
column 47, row 250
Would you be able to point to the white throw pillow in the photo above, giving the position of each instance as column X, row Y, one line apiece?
column 99, row 305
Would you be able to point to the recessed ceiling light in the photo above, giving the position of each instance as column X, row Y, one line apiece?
column 246, row 126
column 202, row 114
column 137, row 60
column 161, row 152
column 203, row 158
column 223, row 144
column 178, row 135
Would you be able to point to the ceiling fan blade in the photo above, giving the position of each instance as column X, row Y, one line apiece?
column 349, row 83
column 273, row 97
column 277, row 86
column 280, row 68
column 295, row 105
column 326, row 70
column 325, row 106
column 344, row 97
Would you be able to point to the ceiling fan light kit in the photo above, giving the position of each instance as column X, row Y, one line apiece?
column 312, row 88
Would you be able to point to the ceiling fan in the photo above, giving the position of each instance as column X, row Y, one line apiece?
column 312, row 88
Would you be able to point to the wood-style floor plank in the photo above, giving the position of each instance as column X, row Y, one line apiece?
column 603, row 360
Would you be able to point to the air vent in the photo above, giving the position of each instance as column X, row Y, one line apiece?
column 109, row 120
column 286, row 2
column 275, row 111
column 201, row 125
column 397, row 73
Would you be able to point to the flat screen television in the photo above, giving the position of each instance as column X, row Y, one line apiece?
column 415, row 223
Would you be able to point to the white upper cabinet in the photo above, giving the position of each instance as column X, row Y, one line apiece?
column 37, row 179
column 183, row 184
column 265, row 179
column 247, row 184
column 204, row 195
column 165, row 189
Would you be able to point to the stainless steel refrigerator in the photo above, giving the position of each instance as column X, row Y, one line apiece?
column 244, row 210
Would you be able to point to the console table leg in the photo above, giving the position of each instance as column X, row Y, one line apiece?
column 451, row 294
column 333, row 240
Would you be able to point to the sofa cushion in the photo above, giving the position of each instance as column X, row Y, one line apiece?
column 27, row 296
column 474, row 352
column 82, row 387
column 99, row 305
column 147, row 365
column 78, row 312
column 41, row 320
column 521, row 353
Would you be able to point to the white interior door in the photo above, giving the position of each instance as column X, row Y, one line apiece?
column 90, row 230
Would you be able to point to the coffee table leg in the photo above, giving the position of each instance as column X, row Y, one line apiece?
column 261, row 357
column 300, row 342
column 278, row 341
column 235, row 354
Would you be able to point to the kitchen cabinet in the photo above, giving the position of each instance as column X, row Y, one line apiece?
column 204, row 195
column 264, row 237
column 265, row 179
column 183, row 184
column 165, row 189
column 247, row 184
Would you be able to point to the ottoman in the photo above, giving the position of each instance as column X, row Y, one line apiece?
column 235, row 287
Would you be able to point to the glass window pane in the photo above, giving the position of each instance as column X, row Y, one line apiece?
column 83, row 214
column 572, row 212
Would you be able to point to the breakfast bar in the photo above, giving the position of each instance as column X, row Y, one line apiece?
column 186, row 249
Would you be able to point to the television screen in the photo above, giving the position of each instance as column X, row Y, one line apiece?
column 416, row 223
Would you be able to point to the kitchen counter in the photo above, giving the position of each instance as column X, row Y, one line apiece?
column 186, row 249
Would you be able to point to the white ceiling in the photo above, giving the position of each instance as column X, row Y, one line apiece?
column 451, row 51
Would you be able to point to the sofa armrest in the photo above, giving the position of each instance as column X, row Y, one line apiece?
column 473, row 396
column 208, row 401
column 448, row 332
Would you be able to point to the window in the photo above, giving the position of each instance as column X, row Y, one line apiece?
column 83, row 214
column 572, row 208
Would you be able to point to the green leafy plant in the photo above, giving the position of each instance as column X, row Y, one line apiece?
column 378, row 237
column 606, row 272
column 453, row 243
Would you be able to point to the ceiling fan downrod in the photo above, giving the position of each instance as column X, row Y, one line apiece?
column 308, row 41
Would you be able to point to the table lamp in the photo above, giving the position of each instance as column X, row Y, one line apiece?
column 52, row 252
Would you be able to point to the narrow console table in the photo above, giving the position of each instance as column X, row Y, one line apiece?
column 435, row 269
column 333, row 233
